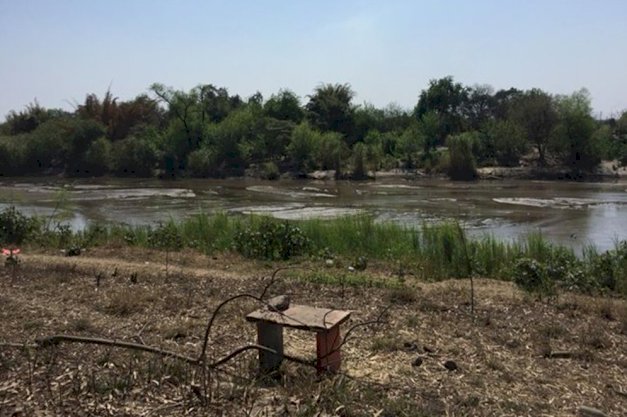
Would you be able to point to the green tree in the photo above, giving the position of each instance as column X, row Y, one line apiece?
column 28, row 119
column 302, row 146
column 284, row 106
column 573, row 138
column 429, row 127
column 480, row 106
column 505, row 142
column 135, row 156
column 410, row 143
column 330, row 109
column 329, row 151
column 231, row 142
column 79, row 136
column 536, row 113
column 447, row 100
column 359, row 162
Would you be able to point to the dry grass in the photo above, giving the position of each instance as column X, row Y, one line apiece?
column 499, row 351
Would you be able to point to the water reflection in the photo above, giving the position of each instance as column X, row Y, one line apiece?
column 569, row 213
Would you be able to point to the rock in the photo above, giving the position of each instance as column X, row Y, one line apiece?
column 279, row 303
column 590, row 412
column 417, row 361
column 73, row 251
column 427, row 349
column 410, row 347
column 451, row 365
column 361, row 263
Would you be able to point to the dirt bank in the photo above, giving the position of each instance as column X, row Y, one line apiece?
column 499, row 354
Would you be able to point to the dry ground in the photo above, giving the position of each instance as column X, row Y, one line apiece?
column 500, row 353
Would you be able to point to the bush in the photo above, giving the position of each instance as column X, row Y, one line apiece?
column 98, row 157
column 270, row 171
column 271, row 240
column 610, row 268
column 504, row 142
column 531, row 276
column 134, row 156
column 165, row 236
column 201, row 163
column 15, row 228
column 462, row 166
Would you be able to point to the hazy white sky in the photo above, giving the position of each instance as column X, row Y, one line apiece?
column 58, row 51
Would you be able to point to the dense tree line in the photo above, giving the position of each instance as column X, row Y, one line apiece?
column 207, row 132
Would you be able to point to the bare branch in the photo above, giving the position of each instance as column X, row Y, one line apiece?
column 59, row 338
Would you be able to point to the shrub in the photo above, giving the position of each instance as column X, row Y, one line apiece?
column 270, row 171
column 165, row 236
column 201, row 163
column 134, row 156
column 505, row 142
column 270, row 239
column 462, row 166
column 15, row 227
column 531, row 276
column 610, row 268
column 98, row 157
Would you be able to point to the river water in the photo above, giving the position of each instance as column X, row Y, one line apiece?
column 575, row 214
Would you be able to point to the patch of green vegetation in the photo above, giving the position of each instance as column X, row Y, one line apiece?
column 429, row 252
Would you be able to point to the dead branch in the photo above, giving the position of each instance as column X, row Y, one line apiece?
column 560, row 354
column 18, row 345
column 377, row 321
column 63, row 338
column 55, row 340
column 273, row 278
column 243, row 349
column 203, row 352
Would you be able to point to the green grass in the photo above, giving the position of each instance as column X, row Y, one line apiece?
column 429, row 252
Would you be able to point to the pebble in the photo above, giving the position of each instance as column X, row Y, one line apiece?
column 451, row 365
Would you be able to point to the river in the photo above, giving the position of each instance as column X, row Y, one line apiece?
column 574, row 214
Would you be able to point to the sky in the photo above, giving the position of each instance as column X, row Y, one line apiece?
column 57, row 51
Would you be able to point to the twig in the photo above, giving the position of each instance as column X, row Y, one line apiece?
column 560, row 354
column 273, row 277
column 18, row 345
column 243, row 349
column 462, row 236
column 59, row 338
column 378, row 320
column 203, row 351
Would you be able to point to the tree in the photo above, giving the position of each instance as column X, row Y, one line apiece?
column 284, row 106
column 135, row 156
column 503, row 102
column 230, row 142
column 446, row 99
column 429, row 129
column 535, row 112
column 216, row 103
column 505, row 142
column 480, row 106
column 79, row 138
column 27, row 120
column 119, row 118
column 573, row 139
column 409, row 145
column 330, row 109
column 302, row 146
column 329, row 152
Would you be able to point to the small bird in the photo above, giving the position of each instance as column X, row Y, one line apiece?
column 279, row 303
